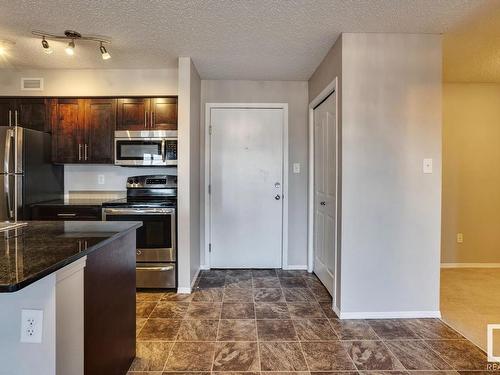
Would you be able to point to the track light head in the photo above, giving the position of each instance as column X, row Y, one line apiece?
column 70, row 49
column 46, row 47
column 104, row 53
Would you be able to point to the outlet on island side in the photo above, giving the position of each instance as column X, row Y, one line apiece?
column 100, row 179
column 31, row 326
column 460, row 237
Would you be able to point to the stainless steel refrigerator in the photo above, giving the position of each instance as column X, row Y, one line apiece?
column 26, row 171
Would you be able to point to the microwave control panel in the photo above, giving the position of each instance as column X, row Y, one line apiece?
column 171, row 149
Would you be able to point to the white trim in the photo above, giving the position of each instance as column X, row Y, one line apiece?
column 182, row 290
column 329, row 89
column 388, row 314
column 470, row 265
column 195, row 277
column 284, row 107
column 295, row 267
column 204, row 267
column 71, row 269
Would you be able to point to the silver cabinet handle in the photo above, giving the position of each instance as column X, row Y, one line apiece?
column 66, row 215
column 79, row 151
column 152, row 124
column 146, row 119
column 86, row 151
column 277, row 197
column 167, row 268
column 15, row 117
column 10, row 117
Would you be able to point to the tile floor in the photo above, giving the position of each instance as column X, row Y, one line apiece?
column 260, row 321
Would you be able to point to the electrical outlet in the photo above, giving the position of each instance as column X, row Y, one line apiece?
column 460, row 237
column 427, row 166
column 31, row 326
column 100, row 179
column 296, row 167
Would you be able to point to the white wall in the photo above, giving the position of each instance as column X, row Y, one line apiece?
column 92, row 82
column 188, row 210
column 295, row 94
column 85, row 177
column 391, row 211
column 18, row 358
column 391, row 121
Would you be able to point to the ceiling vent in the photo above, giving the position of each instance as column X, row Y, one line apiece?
column 32, row 84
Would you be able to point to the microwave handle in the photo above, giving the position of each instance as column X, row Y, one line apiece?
column 163, row 150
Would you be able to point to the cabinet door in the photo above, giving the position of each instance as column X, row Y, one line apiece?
column 133, row 114
column 32, row 114
column 67, row 131
column 6, row 105
column 164, row 113
column 100, row 121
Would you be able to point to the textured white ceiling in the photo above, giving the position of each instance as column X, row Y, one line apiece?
column 471, row 51
column 227, row 39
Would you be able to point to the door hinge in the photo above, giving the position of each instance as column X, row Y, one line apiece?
column 210, row 129
column 209, row 247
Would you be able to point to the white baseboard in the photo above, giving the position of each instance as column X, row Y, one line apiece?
column 204, row 267
column 470, row 265
column 389, row 314
column 295, row 267
column 184, row 290
column 336, row 310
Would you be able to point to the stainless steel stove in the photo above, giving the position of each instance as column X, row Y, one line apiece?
column 151, row 199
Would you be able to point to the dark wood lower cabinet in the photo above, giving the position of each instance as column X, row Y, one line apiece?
column 109, row 312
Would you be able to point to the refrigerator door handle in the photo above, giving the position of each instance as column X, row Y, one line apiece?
column 6, row 182
column 6, row 159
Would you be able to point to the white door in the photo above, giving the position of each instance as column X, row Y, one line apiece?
column 246, row 179
column 325, row 191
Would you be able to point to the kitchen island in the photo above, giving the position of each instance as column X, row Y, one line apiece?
column 82, row 276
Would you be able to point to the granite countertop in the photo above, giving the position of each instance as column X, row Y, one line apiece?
column 73, row 202
column 43, row 247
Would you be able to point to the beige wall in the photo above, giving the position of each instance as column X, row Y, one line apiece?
column 295, row 94
column 471, row 172
column 92, row 82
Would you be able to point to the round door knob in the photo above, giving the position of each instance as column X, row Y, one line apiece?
column 322, row 203
column 277, row 197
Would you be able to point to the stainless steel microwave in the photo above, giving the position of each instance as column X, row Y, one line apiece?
column 146, row 148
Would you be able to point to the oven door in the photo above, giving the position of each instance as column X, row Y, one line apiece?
column 140, row 151
column 156, row 238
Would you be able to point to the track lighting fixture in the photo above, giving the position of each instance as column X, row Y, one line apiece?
column 72, row 36
column 104, row 53
column 46, row 47
column 70, row 49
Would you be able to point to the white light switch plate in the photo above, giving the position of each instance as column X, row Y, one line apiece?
column 427, row 165
column 31, row 326
column 100, row 179
column 296, row 167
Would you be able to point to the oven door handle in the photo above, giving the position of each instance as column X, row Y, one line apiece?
column 163, row 151
column 144, row 211
column 162, row 268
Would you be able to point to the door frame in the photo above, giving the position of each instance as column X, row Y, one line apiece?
column 332, row 87
column 284, row 168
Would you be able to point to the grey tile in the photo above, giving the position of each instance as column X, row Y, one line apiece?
column 271, row 310
column 238, row 295
column 268, row 295
column 266, row 282
column 298, row 295
column 305, row 310
column 293, row 282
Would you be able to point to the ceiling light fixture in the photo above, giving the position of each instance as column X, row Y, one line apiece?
column 73, row 36
column 70, row 49
column 104, row 53
column 46, row 47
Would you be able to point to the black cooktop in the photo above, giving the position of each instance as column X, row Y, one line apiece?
column 141, row 203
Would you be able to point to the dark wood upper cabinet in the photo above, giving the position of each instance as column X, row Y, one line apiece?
column 33, row 114
column 133, row 114
column 164, row 114
column 30, row 113
column 67, row 131
column 100, row 120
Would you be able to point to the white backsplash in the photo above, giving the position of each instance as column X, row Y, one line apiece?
column 79, row 179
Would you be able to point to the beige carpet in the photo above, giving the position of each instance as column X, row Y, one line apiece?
column 470, row 299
